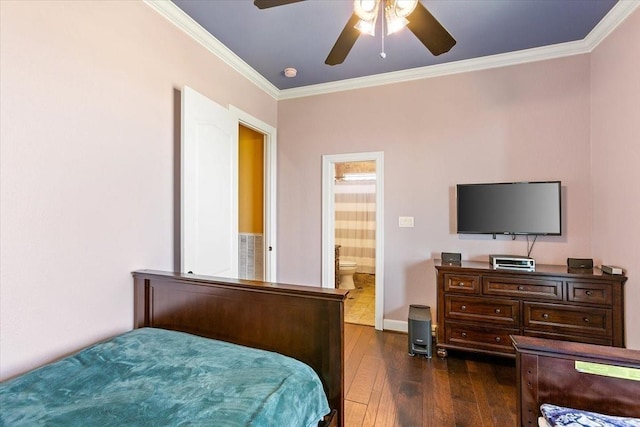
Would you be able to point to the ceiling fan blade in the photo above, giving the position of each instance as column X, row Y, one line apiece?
column 265, row 4
column 429, row 31
column 345, row 42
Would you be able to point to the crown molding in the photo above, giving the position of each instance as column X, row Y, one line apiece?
column 449, row 68
column 621, row 11
column 184, row 22
column 615, row 17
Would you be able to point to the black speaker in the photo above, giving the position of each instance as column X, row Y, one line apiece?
column 420, row 330
column 451, row 257
column 580, row 263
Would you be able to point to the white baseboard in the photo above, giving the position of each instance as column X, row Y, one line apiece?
column 402, row 326
column 395, row 325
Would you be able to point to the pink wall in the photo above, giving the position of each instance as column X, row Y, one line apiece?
column 575, row 119
column 615, row 145
column 528, row 122
column 89, row 102
column 89, row 98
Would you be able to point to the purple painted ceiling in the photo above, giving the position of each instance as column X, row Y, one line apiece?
column 300, row 35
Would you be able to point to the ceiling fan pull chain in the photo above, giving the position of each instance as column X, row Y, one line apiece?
column 383, row 55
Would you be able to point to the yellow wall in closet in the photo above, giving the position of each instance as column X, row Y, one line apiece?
column 250, row 181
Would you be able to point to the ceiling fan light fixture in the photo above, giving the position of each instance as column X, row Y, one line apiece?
column 366, row 10
column 394, row 23
column 396, row 11
column 402, row 8
column 367, row 27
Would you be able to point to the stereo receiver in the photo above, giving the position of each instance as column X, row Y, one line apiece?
column 512, row 262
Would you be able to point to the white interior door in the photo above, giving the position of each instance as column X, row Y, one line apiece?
column 209, row 187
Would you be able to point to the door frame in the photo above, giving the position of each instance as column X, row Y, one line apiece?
column 328, row 222
column 270, row 173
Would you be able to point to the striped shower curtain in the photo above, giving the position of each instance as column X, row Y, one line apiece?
column 356, row 223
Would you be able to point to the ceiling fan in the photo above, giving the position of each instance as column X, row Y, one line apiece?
column 398, row 13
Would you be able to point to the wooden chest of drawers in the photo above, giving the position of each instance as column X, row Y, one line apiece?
column 479, row 307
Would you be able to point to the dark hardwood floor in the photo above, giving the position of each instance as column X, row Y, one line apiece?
column 384, row 386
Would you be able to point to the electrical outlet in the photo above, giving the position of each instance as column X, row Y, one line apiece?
column 405, row 221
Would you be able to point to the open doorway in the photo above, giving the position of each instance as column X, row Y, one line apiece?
column 256, row 198
column 355, row 238
column 251, row 248
column 346, row 239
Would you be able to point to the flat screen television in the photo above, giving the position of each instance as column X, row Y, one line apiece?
column 509, row 208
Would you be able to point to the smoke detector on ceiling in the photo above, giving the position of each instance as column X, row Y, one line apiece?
column 290, row 72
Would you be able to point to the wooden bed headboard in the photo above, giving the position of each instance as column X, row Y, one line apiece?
column 302, row 322
column 547, row 374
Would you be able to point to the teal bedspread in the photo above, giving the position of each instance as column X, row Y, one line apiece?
column 154, row 377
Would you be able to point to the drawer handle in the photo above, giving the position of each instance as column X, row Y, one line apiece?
column 589, row 293
column 464, row 334
column 464, row 307
column 461, row 284
column 498, row 311
column 521, row 288
column 545, row 316
column 498, row 339
column 586, row 320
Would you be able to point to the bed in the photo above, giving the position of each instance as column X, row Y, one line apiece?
column 576, row 376
column 204, row 351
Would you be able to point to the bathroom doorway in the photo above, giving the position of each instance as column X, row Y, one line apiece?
column 352, row 233
column 355, row 234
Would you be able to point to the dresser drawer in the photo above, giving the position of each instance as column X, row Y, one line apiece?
column 594, row 293
column 568, row 319
column 478, row 304
column 506, row 312
column 462, row 283
column 475, row 337
column 523, row 288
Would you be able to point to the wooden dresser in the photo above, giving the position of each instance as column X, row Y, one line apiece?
column 479, row 307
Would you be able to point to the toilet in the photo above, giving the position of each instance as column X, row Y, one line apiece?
column 346, row 270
